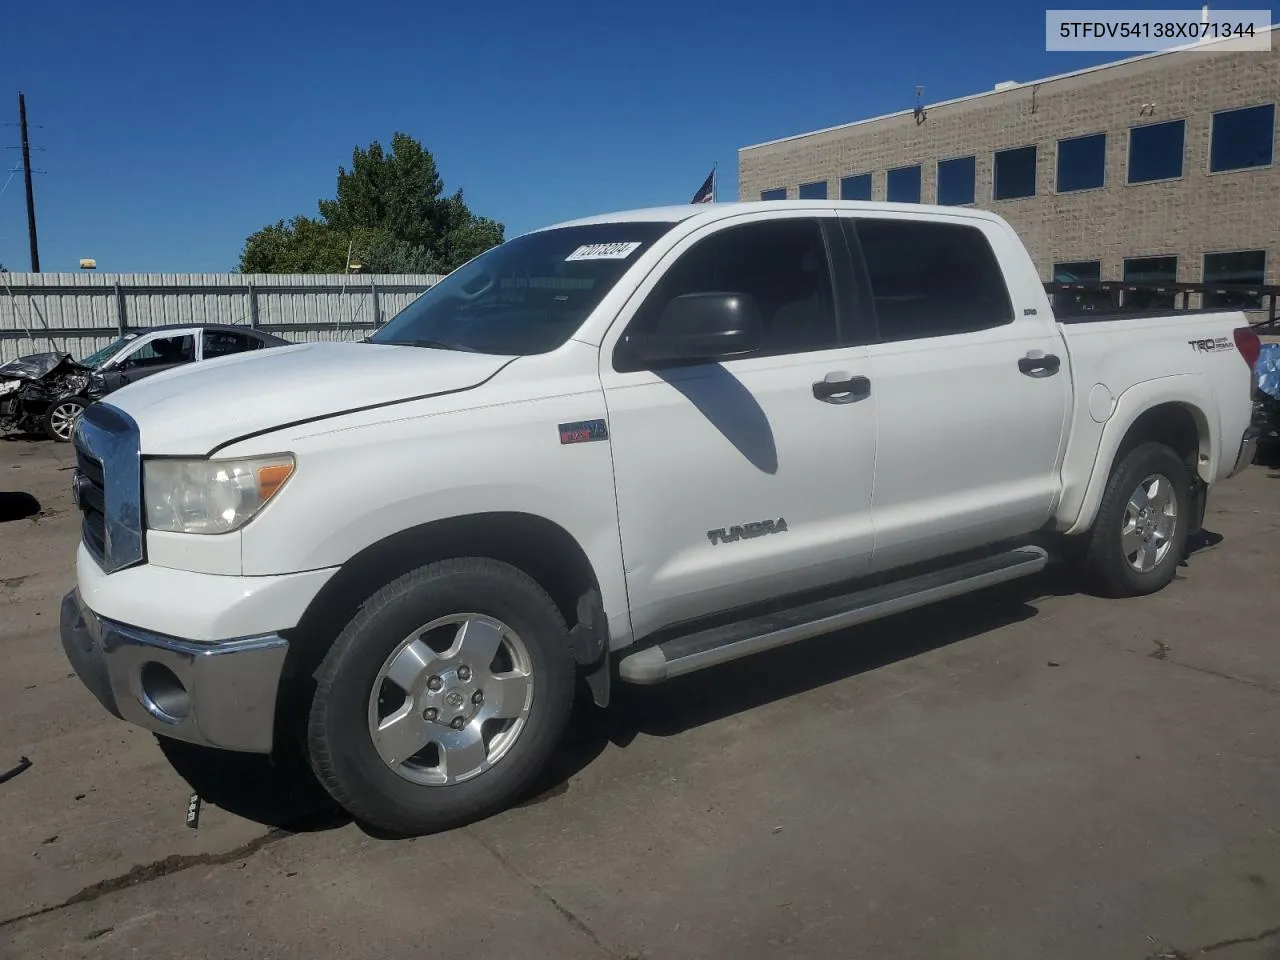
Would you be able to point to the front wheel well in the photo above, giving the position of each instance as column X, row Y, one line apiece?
column 539, row 547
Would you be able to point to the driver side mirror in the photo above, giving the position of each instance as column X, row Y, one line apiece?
column 704, row 327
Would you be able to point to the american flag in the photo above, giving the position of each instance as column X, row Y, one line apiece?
column 707, row 192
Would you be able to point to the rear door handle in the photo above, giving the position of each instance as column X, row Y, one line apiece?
column 1037, row 364
column 842, row 388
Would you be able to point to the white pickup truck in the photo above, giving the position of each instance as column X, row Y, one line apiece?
column 621, row 449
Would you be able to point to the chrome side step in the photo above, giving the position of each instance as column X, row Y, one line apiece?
column 716, row 645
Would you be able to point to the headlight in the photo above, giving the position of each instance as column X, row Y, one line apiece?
column 210, row 496
column 9, row 386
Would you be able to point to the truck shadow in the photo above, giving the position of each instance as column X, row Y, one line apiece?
column 707, row 696
column 683, row 704
column 277, row 791
column 692, row 701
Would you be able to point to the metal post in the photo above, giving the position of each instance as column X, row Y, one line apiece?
column 253, row 305
column 122, row 317
column 377, row 307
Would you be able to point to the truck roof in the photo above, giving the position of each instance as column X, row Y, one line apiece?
column 711, row 212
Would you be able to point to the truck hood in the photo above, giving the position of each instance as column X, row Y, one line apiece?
column 195, row 408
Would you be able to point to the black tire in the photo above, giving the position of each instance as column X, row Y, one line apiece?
column 340, row 745
column 1102, row 558
column 54, row 417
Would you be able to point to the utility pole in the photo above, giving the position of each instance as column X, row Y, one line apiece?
column 26, row 175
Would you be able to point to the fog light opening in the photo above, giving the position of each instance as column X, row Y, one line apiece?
column 163, row 694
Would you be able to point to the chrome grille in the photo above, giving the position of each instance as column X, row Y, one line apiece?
column 108, row 486
column 90, row 496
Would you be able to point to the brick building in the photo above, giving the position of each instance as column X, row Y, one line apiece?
column 1157, row 168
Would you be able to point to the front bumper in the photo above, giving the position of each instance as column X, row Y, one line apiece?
column 216, row 694
column 1248, row 450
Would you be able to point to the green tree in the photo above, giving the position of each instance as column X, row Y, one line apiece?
column 389, row 215
column 301, row 245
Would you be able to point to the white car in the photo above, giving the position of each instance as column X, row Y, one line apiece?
column 622, row 448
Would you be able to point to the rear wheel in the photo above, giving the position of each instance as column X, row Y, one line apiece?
column 444, row 697
column 60, row 419
column 1139, row 536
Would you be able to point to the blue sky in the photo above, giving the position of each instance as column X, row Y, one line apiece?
column 169, row 132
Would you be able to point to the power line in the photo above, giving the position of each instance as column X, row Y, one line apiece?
column 12, row 174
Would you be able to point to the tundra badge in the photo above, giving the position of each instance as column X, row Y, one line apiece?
column 747, row 531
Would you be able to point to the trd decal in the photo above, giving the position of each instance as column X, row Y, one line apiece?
column 1212, row 344
column 583, row 431
column 747, row 531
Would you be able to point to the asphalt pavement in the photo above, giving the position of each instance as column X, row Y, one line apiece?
column 1025, row 773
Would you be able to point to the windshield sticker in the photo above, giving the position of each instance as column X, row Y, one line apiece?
column 603, row 251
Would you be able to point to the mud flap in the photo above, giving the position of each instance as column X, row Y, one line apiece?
column 590, row 646
column 1199, row 501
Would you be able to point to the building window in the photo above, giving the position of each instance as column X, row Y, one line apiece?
column 778, row 194
column 1155, row 151
column 903, row 185
column 1015, row 173
column 1243, row 138
column 1078, row 271
column 1082, row 162
column 932, row 279
column 955, row 180
column 1150, row 271
column 813, row 191
column 1241, row 267
column 856, row 187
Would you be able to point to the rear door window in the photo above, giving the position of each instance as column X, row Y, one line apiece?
column 932, row 279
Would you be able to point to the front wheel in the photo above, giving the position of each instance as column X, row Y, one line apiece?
column 60, row 419
column 1139, row 535
column 443, row 698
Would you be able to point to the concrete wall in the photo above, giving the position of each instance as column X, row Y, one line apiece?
column 81, row 312
column 1196, row 214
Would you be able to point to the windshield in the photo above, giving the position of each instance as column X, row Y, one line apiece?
column 528, row 295
column 96, row 359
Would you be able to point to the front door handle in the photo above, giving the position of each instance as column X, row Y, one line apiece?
column 1037, row 364
column 842, row 388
